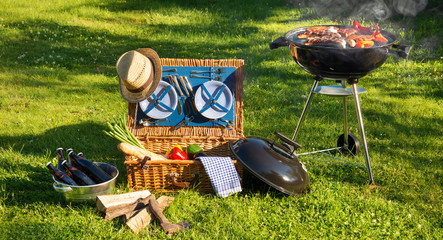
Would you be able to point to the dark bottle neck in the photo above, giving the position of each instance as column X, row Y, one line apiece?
column 51, row 167
column 72, row 155
column 68, row 166
column 60, row 155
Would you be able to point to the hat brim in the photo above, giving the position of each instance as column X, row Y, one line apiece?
column 140, row 96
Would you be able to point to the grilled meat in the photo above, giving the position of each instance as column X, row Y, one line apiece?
column 359, row 37
column 321, row 28
column 323, row 35
column 333, row 36
column 346, row 32
column 327, row 41
column 317, row 34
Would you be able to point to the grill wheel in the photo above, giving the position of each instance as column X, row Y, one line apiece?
column 353, row 143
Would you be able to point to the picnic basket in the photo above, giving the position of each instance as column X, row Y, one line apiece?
column 173, row 175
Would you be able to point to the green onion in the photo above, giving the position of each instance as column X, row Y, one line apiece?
column 120, row 131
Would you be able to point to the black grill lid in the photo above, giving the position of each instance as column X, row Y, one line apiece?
column 269, row 162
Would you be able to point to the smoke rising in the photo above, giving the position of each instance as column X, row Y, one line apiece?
column 409, row 8
column 377, row 9
column 368, row 9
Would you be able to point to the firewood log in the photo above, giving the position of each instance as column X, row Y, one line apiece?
column 119, row 204
column 143, row 217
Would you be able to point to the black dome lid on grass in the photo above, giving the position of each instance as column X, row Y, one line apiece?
column 268, row 161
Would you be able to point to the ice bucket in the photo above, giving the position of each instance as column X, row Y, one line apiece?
column 83, row 193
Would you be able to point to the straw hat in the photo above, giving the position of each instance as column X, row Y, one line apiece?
column 139, row 73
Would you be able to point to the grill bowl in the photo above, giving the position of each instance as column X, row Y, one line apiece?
column 334, row 62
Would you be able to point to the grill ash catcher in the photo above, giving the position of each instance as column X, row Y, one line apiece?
column 345, row 66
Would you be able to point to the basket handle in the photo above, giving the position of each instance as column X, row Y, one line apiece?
column 193, row 182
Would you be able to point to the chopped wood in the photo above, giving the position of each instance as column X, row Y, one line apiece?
column 106, row 202
column 143, row 217
column 120, row 204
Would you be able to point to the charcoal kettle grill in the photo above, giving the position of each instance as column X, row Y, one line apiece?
column 345, row 66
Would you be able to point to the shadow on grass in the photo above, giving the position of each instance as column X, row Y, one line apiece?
column 337, row 173
column 224, row 9
column 28, row 181
column 49, row 43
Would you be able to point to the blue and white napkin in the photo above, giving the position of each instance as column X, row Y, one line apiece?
column 222, row 175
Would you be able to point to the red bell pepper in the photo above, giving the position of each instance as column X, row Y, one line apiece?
column 170, row 149
column 377, row 35
column 177, row 154
column 363, row 44
column 361, row 29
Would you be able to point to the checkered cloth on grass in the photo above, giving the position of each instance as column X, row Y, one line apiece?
column 222, row 175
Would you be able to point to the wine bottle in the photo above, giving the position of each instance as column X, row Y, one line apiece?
column 80, row 177
column 60, row 176
column 96, row 173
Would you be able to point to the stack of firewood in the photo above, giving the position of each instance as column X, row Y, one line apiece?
column 131, row 208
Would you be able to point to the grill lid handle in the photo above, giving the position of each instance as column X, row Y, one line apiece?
column 279, row 42
column 291, row 144
column 401, row 51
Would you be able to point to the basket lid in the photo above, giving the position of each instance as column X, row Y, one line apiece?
column 215, row 124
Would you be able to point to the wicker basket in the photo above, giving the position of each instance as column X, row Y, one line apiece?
column 173, row 175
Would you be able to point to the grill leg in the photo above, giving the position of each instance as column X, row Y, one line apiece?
column 353, row 83
column 345, row 116
column 305, row 109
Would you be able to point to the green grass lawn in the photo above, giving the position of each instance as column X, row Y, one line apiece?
column 59, row 88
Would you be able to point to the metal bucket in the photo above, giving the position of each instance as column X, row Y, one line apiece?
column 83, row 193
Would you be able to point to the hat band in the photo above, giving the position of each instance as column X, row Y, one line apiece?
column 144, row 86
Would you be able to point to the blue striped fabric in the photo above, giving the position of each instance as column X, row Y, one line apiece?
column 222, row 174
